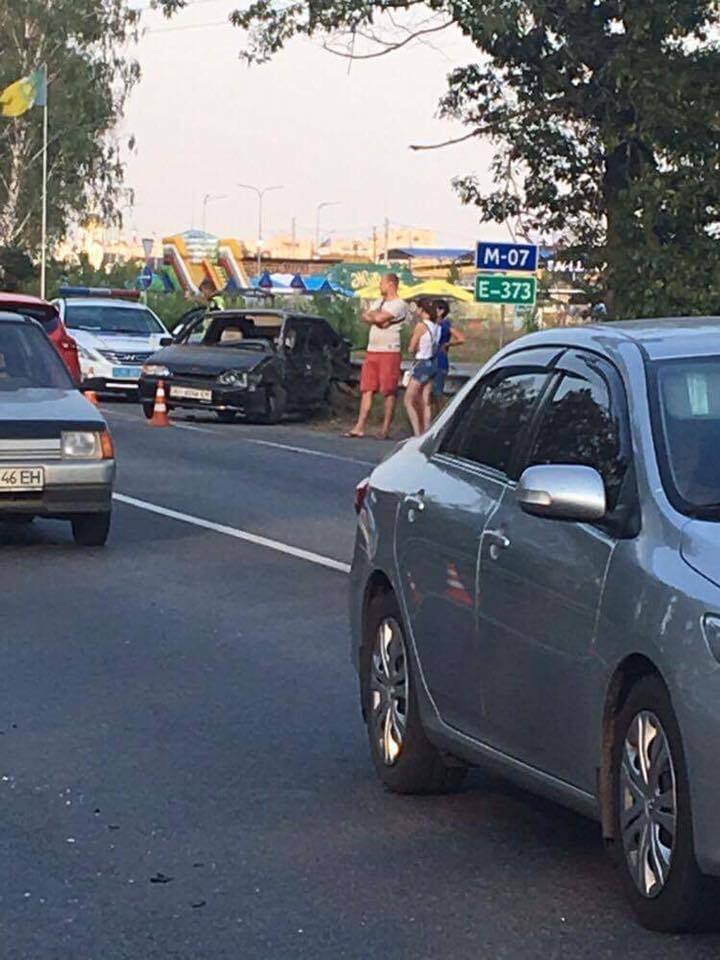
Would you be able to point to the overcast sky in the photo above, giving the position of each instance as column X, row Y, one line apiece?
column 204, row 122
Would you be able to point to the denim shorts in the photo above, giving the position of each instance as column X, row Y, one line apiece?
column 424, row 370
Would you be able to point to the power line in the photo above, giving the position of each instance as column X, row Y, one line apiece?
column 188, row 3
column 189, row 26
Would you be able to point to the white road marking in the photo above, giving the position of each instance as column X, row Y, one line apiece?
column 276, row 445
column 259, row 541
column 190, row 426
column 260, row 443
column 309, row 452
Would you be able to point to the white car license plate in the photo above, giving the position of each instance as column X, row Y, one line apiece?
column 191, row 393
column 21, row 479
column 126, row 373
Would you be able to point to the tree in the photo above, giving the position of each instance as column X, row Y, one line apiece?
column 16, row 269
column 89, row 78
column 604, row 112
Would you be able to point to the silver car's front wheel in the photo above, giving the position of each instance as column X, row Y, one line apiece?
column 653, row 816
column 648, row 800
column 389, row 690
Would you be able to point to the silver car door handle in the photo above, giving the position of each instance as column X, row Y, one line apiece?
column 498, row 540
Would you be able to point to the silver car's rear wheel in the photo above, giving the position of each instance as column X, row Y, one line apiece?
column 648, row 798
column 403, row 757
column 389, row 690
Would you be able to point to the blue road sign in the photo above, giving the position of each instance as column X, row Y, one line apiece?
column 145, row 277
column 507, row 256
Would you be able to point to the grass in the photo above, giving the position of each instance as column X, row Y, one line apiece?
column 343, row 410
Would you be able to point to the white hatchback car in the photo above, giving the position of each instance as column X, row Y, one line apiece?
column 115, row 334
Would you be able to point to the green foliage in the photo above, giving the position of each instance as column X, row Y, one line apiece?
column 81, row 273
column 169, row 306
column 83, row 43
column 343, row 313
column 605, row 118
column 17, row 270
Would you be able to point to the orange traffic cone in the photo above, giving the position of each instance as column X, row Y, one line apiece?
column 160, row 414
column 92, row 397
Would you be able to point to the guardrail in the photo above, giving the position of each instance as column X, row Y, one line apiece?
column 457, row 377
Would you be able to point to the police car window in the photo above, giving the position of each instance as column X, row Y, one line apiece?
column 493, row 419
column 108, row 318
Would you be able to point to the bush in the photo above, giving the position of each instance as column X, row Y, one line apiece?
column 169, row 306
column 343, row 314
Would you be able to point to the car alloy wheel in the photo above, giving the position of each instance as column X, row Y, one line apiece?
column 389, row 690
column 648, row 803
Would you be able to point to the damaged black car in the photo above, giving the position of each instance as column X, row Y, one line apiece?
column 255, row 364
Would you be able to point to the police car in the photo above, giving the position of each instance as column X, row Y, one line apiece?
column 115, row 334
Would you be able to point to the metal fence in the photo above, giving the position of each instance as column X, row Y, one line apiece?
column 457, row 377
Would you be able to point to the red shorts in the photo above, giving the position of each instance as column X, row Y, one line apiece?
column 381, row 373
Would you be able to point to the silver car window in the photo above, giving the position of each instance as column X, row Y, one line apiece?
column 579, row 427
column 493, row 419
column 687, row 430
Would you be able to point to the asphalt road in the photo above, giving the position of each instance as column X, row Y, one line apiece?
column 183, row 769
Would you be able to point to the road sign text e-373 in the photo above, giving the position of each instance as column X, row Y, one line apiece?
column 497, row 288
column 507, row 256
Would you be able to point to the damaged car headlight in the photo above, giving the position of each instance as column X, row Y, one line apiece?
column 233, row 378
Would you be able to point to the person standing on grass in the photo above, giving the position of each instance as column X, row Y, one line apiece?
column 424, row 346
column 450, row 336
column 382, row 364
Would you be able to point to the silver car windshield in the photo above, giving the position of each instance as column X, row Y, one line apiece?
column 111, row 319
column 27, row 360
column 688, row 395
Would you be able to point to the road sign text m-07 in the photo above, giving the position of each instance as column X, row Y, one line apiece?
column 507, row 256
column 496, row 288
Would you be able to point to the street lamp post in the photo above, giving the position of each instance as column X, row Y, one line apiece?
column 208, row 198
column 259, row 193
column 321, row 206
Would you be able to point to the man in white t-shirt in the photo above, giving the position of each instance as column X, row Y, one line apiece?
column 381, row 369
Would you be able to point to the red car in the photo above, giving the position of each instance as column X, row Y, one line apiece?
column 47, row 315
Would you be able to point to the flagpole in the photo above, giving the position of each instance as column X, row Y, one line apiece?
column 43, row 230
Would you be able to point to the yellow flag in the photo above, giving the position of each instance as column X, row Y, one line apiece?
column 19, row 96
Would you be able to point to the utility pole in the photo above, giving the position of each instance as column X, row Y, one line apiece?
column 209, row 198
column 387, row 239
column 43, row 227
column 259, row 194
column 320, row 207
column 374, row 246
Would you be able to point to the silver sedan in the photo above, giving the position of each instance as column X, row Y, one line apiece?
column 56, row 454
column 536, row 588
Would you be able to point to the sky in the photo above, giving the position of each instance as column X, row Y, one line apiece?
column 204, row 122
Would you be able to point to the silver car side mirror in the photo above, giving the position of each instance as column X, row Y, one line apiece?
column 562, row 492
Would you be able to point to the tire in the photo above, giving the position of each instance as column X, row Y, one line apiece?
column 275, row 402
column 91, row 529
column 226, row 416
column 404, row 759
column 673, row 896
column 147, row 409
